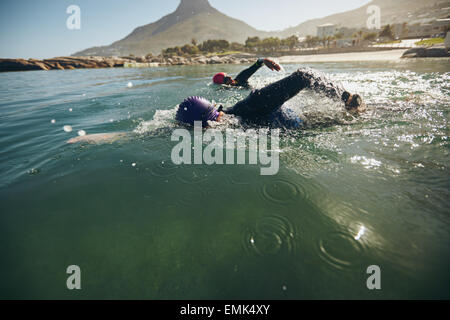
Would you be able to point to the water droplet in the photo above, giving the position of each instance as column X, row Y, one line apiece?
column 130, row 85
column 67, row 128
column 163, row 169
column 81, row 133
column 133, row 164
column 281, row 191
column 70, row 110
column 53, row 121
column 33, row 171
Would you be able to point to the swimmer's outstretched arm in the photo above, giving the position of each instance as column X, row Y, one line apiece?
column 270, row 98
column 318, row 82
column 242, row 78
column 99, row 138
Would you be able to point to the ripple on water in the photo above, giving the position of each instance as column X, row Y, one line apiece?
column 340, row 250
column 163, row 169
column 271, row 235
column 281, row 191
column 152, row 146
column 192, row 174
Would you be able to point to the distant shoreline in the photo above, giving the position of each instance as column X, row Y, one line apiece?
column 384, row 55
column 70, row 63
column 388, row 55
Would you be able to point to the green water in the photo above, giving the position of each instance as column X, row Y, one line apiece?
column 350, row 193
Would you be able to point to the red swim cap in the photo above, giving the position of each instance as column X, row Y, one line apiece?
column 219, row 78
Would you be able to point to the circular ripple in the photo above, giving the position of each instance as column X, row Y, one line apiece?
column 270, row 235
column 340, row 250
column 193, row 174
column 164, row 169
column 280, row 191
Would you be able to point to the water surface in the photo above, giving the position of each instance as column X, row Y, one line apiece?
column 351, row 191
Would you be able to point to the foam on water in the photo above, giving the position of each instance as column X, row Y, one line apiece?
column 161, row 119
column 389, row 95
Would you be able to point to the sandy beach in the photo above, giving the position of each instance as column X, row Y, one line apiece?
column 388, row 55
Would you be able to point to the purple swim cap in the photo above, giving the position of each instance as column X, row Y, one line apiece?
column 196, row 109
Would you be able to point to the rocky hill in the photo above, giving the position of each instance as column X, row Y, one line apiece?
column 198, row 19
column 192, row 19
column 398, row 11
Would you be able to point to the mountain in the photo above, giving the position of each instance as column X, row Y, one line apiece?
column 198, row 19
column 392, row 11
column 192, row 19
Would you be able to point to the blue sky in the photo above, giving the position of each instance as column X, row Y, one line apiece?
column 37, row 29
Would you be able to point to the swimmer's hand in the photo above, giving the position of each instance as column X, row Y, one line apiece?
column 272, row 65
column 98, row 138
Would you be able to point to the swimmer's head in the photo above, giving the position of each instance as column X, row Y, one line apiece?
column 197, row 109
column 222, row 78
column 353, row 102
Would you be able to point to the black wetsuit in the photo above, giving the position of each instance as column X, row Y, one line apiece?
column 241, row 79
column 261, row 104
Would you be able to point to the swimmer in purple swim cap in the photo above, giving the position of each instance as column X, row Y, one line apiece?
column 261, row 107
column 197, row 109
column 261, row 104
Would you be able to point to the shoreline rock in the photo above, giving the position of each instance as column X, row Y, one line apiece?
column 431, row 52
column 150, row 61
column 60, row 63
column 71, row 63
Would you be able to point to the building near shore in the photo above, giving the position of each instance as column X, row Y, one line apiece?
column 326, row 30
column 419, row 31
column 344, row 43
column 425, row 30
column 441, row 26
